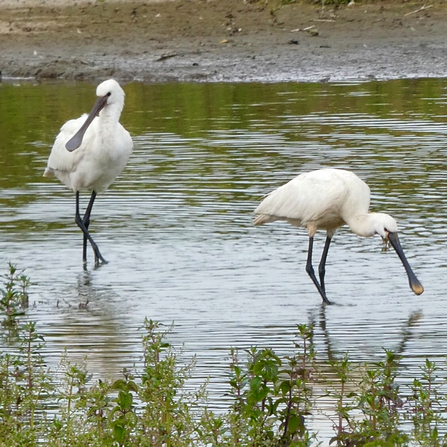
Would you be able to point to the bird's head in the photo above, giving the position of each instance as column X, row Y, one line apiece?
column 383, row 224
column 109, row 93
column 386, row 227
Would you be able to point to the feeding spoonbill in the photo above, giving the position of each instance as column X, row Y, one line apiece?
column 90, row 152
column 327, row 199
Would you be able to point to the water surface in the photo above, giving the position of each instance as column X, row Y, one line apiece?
column 176, row 226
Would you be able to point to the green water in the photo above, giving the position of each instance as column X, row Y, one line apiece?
column 31, row 115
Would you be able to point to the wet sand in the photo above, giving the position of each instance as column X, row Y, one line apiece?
column 230, row 40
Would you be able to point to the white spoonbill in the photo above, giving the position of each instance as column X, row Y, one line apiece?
column 328, row 199
column 90, row 152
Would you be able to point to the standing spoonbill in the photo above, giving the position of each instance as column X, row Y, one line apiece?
column 327, row 199
column 90, row 152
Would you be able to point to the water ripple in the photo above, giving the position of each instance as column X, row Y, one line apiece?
column 176, row 228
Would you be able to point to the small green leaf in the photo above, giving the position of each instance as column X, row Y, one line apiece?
column 124, row 400
column 119, row 433
column 119, row 384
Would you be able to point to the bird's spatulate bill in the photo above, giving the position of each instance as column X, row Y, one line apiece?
column 74, row 142
column 415, row 285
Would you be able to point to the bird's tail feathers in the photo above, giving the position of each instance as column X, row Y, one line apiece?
column 48, row 172
column 264, row 218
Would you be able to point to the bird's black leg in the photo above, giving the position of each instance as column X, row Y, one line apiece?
column 80, row 223
column 86, row 221
column 322, row 266
column 310, row 271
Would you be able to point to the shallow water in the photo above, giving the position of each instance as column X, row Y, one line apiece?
column 176, row 226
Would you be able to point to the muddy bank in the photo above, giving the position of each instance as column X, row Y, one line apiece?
column 228, row 40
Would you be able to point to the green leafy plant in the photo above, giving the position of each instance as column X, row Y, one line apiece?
column 14, row 296
column 169, row 411
column 271, row 396
column 427, row 407
column 123, row 418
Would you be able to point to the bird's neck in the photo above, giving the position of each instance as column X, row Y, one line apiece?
column 110, row 114
column 362, row 225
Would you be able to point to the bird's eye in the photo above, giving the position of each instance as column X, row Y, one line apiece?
column 108, row 94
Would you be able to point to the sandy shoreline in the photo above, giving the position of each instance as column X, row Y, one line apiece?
column 231, row 40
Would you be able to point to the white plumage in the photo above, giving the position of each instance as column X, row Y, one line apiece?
column 327, row 199
column 91, row 151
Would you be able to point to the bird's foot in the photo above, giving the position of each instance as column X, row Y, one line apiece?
column 99, row 260
column 98, row 263
column 325, row 299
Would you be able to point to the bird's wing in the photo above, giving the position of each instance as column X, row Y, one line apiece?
column 306, row 198
column 60, row 158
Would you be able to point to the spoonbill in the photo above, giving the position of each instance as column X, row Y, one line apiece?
column 90, row 152
column 327, row 199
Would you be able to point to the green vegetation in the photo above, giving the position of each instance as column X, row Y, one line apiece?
column 272, row 397
column 14, row 296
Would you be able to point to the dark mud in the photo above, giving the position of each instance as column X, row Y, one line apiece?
column 222, row 40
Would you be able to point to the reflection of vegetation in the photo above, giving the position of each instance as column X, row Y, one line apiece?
column 219, row 138
column 30, row 115
column 272, row 397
